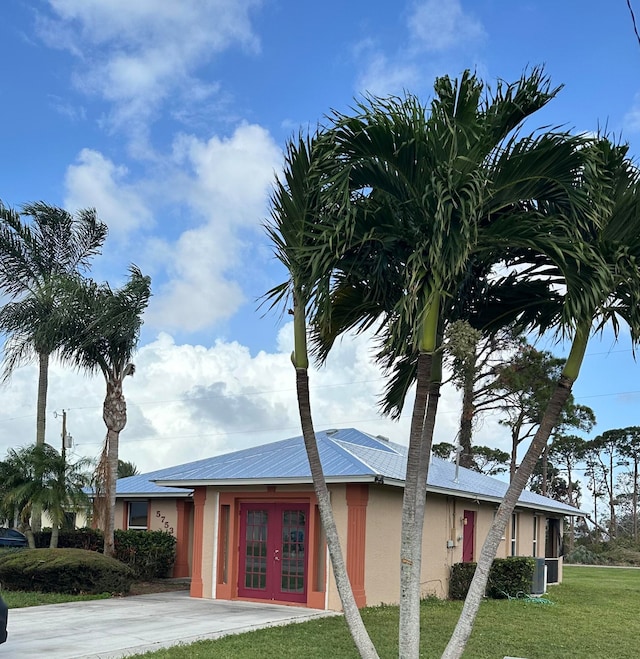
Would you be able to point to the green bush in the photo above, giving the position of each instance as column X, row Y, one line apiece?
column 70, row 571
column 461, row 575
column 507, row 577
column 510, row 576
column 582, row 555
column 150, row 554
column 89, row 539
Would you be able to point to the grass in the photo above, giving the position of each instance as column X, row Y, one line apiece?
column 18, row 599
column 594, row 615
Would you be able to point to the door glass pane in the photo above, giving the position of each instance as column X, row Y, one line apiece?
column 255, row 569
column 293, row 551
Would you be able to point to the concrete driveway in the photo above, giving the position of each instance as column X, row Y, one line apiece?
column 121, row 627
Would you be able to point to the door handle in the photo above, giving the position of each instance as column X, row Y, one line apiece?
column 276, row 555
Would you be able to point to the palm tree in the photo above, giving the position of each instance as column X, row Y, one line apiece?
column 430, row 192
column 126, row 469
column 102, row 331
column 294, row 216
column 603, row 290
column 41, row 477
column 34, row 254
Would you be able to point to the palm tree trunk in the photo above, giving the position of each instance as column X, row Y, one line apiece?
column 415, row 485
column 462, row 631
column 41, row 419
column 466, row 423
column 55, row 529
column 300, row 361
column 114, row 413
column 413, row 505
column 461, row 634
column 351, row 612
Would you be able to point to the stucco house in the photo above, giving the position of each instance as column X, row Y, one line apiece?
column 248, row 527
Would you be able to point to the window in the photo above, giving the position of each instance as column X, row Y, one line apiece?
column 534, row 552
column 514, row 534
column 138, row 511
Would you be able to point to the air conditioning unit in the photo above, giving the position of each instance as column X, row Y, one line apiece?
column 539, row 581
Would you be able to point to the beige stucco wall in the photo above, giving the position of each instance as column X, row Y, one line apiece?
column 443, row 522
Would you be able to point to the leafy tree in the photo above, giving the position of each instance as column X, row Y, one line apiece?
column 102, row 330
column 475, row 360
column 37, row 247
column 484, row 459
column 295, row 209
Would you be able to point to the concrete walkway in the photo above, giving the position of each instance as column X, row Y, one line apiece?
column 121, row 627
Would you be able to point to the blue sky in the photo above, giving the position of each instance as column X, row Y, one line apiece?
column 170, row 117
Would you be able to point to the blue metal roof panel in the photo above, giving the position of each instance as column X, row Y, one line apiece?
column 344, row 453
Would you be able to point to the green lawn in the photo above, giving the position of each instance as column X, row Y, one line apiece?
column 594, row 615
column 17, row 599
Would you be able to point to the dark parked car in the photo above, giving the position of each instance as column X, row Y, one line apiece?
column 12, row 538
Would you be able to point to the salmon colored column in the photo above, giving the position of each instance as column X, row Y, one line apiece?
column 181, row 567
column 357, row 499
column 199, row 497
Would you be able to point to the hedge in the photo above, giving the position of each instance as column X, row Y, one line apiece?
column 150, row 554
column 508, row 577
column 64, row 571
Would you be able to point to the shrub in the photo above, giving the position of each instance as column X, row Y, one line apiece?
column 510, row 576
column 150, row 554
column 507, row 577
column 64, row 571
column 461, row 575
column 86, row 538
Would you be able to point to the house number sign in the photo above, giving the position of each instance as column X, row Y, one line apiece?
column 163, row 521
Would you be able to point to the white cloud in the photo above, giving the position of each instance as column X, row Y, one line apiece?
column 137, row 55
column 94, row 181
column 441, row 29
column 437, row 26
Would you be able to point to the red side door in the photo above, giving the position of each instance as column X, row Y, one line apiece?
column 468, row 535
column 273, row 551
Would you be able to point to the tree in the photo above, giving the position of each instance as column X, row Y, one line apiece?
column 102, row 331
column 38, row 246
column 601, row 289
column 475, row 361
column 126, row 469
column 40, row 476
column 569, row 451
column 431, row 190
column 484, row 459
column 295, row 209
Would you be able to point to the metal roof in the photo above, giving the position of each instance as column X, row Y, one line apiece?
column 347, row 455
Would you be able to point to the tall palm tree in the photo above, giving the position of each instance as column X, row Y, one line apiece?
column 295, row 215
column 34, row 252
column 605, row 290
column 436, row 189
column 38, row 246
column 102, row 331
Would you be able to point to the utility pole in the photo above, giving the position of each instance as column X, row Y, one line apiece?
column 64, row 437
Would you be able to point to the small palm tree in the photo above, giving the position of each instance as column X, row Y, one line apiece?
column 102, row 329
column 41, row 477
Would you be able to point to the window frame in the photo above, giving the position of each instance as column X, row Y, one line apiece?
column 136, row 527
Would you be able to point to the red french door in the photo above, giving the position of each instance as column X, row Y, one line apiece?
column 273, row 551
column 468, row 535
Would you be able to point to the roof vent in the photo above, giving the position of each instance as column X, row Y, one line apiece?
column 333, row 431
column 382, row 438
